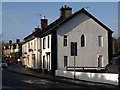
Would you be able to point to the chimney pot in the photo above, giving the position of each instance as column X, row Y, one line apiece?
column 36, row 29
column 65, row 6
column 43, row 17
column 65, row 11
column 17, row 41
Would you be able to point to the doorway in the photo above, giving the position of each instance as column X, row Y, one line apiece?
column 100, row 61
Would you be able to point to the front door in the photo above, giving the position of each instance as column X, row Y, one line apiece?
column 44, row 62
column 48, row 61
column 33, row 58
column 100, row 61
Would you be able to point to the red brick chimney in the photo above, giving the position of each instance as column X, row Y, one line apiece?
column 65, row 11
column 44, row 23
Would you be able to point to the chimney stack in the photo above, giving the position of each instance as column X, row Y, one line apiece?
column 44, row 23
column 65, row 11
column 17, row 41
column 36, row 29
column 10, row 41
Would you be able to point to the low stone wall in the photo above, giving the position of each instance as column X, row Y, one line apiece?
column 93, row 77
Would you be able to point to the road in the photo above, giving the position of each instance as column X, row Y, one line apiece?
column 15, row 81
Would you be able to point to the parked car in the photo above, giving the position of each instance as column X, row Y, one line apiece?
column 11, row 61
column 114, row 65
column 3, row 64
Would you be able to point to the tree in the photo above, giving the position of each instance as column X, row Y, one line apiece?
column 17, row 55
column 116, row 44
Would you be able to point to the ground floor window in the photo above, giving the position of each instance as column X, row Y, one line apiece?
column 28, row 60
column 43, row 61
column 33, row 58
column 65, row 61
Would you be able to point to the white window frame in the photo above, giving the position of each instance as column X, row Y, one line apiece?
column 100, row 41
column 65, row 44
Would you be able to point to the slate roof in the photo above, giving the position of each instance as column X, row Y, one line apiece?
column 61, row 21
column 50, row 27
column 29, row 37
column 58, row 22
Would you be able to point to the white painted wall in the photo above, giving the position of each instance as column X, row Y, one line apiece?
column 94, row 77
column 35, row 47
column 44, row 51
column 87, row 56
column 24, row 49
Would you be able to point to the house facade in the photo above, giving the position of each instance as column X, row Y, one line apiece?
column 73, row 40
column 91, row 43
column 11, row 49
column 31, row 53
column 92, row 40
column 46, row 52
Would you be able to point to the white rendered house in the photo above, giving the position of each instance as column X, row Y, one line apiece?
column 93, row 41
column 31, row 52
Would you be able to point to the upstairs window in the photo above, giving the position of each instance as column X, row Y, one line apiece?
column 44, row 62
column 65, row 41
column 28, row 46
column 100, row 41
column 44, row 43
column 35, row 45
column 31, row 45
column 48, row 42
column 82, row 41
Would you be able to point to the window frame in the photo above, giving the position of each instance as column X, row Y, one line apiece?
column 65, row 61
column 44, row 43
column 83, row 40
column 35, row 43
column 100, row 41
column 65, row 40
column 44, row 63
column 28, row 46
column 48, row 42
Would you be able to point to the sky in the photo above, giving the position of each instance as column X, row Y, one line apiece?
column 60, row 0
column 20, row 18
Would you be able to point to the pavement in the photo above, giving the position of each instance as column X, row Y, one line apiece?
column 17, row 68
